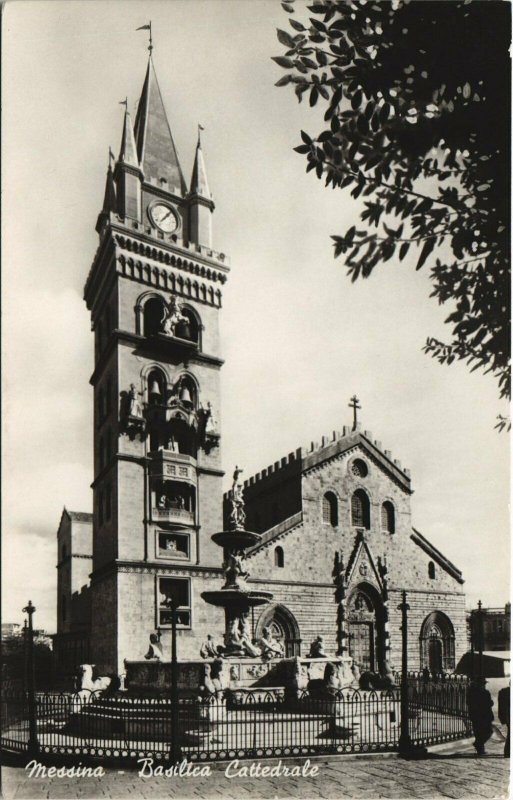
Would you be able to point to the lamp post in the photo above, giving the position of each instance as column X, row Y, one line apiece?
column 480, row 638
column 176, row 751
column 33, row 744
column 406, row 747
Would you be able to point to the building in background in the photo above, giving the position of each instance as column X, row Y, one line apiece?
column 338, row 544
column 71, row 643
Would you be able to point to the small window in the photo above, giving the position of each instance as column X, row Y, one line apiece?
column 330, row 509
column 172, row 545
column 179, row 591
column 431, row 570
column 100, row 506
column 388, row 517
column 359, row 468
column 63, row 552
column 279, row 558
column 63, row 608
column 360, row 510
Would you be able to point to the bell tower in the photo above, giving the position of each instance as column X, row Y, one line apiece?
column 154, row 291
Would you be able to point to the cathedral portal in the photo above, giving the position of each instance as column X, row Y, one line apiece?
column 365, row 628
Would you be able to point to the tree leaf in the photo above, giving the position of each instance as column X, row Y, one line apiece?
column 285, row 38
column 283, row 61
column 427, row 249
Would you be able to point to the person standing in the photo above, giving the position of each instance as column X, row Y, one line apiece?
column 504, row 711
column 479, row 703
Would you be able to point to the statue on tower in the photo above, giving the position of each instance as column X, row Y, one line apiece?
column 238, row 514
column 172, row 316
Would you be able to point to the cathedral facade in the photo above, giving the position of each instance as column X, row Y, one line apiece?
column 337, row 547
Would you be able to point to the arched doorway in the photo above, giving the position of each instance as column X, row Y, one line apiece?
column 365, row 628
column 283, row 627
column 437, row 643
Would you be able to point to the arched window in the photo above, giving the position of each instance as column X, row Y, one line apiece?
column 187, row 392
column 156, row 384
column 330, row 509
column 191, row 329
column 153, row 316
column 63, row 607
column 388, row 517
column 360, row 509
column 431, row 570
column 279, row 558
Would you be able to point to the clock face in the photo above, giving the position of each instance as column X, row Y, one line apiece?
column 164, row 217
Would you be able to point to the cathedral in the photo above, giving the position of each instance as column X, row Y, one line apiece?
column 337, row 544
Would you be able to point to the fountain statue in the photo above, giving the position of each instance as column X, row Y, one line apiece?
column 235, row 596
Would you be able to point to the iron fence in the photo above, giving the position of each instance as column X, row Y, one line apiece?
column 246, row 724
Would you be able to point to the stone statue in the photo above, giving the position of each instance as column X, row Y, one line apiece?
column 388, row 675
column 243, row 637
column 171, row 544
column 270, row 647
column 331, row 678
column 155, row 652
column 172, row 316
column 172, row 445
column 317, row 648
column 355, row 669
column 238, row 515
column 134, row 406
column 211, row 422
column 162, row 503
column 234, row 570
column 209, row 649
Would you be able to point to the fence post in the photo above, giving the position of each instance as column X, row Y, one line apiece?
column 33, row 744
column 406, row 747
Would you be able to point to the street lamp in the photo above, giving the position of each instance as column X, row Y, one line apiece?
column 33, row 744
column 171, row 602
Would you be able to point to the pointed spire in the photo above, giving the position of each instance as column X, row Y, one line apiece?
column 155, row 146
column 109, row 199
column 199, row 183
column 128, row 151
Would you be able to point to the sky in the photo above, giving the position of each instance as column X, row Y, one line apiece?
column 299, row 339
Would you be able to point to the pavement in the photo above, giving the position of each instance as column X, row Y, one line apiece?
column 451, row 770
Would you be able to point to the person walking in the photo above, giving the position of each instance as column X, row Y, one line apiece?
column 479, row 703
column 504, row 711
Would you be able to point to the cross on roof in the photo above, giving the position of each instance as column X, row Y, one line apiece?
column 354, row 405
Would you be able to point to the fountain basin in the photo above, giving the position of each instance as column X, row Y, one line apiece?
column 236, row 539
column 236, row 598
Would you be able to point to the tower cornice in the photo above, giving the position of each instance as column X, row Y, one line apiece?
column 166, row 257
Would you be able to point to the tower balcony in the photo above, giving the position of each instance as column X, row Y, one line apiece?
column 172, row 466
column 181, row 516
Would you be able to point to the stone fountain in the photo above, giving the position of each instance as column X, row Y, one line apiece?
column 235, row 596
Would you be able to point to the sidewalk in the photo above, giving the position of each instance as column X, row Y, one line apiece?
column 451, row 770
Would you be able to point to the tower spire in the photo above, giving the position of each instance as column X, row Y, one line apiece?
column 199, row 183
column 156, row 149
column 128, row 150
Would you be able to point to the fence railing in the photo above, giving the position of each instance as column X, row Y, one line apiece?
column 252, row 724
